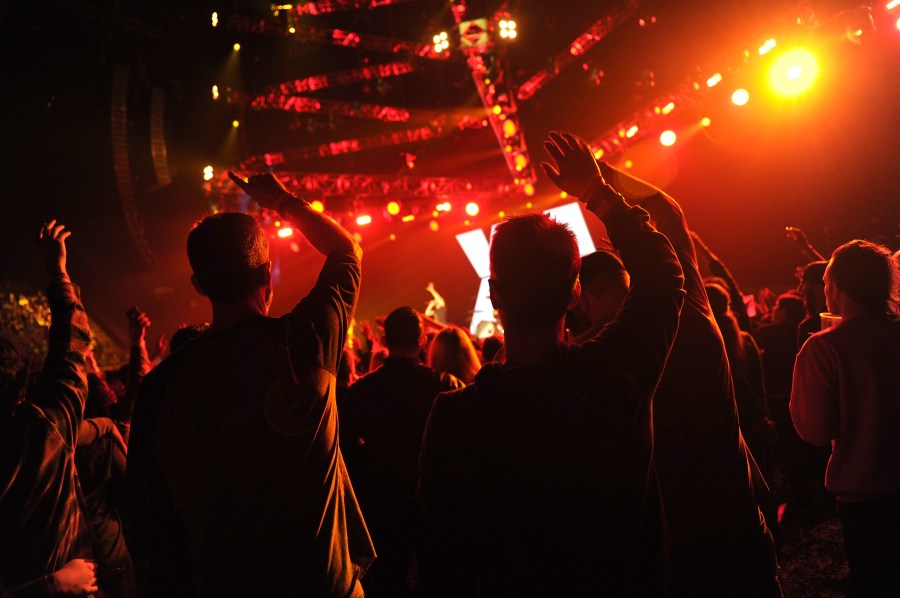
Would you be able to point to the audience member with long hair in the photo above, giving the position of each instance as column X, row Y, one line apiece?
column 452, row 351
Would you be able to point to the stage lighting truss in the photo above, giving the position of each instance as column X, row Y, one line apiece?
column 579, row 46
column 347, row 197
column 697, row 89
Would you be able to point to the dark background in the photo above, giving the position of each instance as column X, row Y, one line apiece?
column 826, row 162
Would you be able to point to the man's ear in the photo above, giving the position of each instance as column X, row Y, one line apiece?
column 496, row 298
column 576, row 295
column 197, row 286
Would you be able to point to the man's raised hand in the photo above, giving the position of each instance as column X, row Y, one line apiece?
column 574, row 167
column 52, row 244
column 265, row 189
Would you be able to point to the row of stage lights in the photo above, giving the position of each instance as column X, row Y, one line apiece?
column 791, row 74
column 393, row 210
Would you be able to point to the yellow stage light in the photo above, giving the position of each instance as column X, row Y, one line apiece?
column 767, row 46
column 393, row 208
column 472, row 208
column 714, row 80
column 363, row 220
column 237, row 47
column 705, row 121
column 317, row 205
column 285, row 232
column 740, row 97
column 794, row 72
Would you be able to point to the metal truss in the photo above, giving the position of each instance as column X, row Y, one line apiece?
column 582, row 44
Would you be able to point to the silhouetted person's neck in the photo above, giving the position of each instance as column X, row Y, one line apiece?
column 534, row 346
column 404, row 352
column 228, row 314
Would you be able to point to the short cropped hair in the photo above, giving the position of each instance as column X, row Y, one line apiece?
column 534, row 265
column 229, row 255
column 403, row 329
column 792, row 306
column 867, row 273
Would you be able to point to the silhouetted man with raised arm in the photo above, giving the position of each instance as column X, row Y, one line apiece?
column 238, row 430
column 719, row 541
column 42, row 526
column 542, row 470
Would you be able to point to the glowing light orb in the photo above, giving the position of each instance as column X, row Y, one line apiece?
column 705, row 121
column 285, row 232
column 740, row 97
column 667, row 138
column 363, row 220
column 393, row 208
column 794, row 72
column 472, row 208
column 317, row 205
column 237, row 47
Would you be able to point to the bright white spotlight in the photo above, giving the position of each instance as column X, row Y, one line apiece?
column 507, row 29
column 667, row 138
column 740, row 97
column 794, row 72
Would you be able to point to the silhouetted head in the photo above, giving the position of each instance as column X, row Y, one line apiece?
column 789, row 307
column 534, row 270
column 490, row 346
column 719, row 299
column 604, row 284
column 866, row 273
column 812, row 288
column 229, row 255
column 403, row 330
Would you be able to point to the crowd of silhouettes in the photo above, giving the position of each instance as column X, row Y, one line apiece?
column 633, row 427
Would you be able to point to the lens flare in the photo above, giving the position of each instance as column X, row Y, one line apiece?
column 794, row 72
